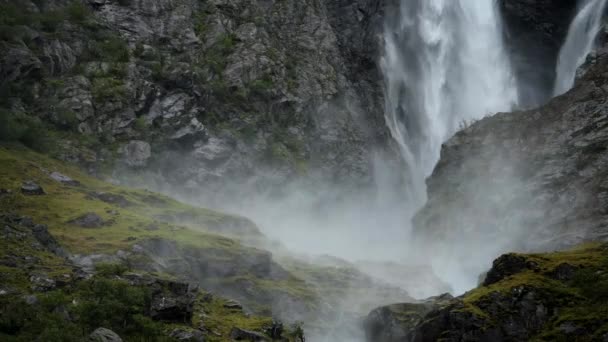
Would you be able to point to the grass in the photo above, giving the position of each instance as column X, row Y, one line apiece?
column 582, row 300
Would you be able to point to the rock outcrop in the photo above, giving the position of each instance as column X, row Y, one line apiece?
column 528, row 180
column 520, row 305
column 535, row 31
column 225, row 92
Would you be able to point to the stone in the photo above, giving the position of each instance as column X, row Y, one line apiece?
column 61, row 178
column 190, row 133
column 88, row 220
column 42, row 283
column 172, row 301
column 31, row 188
column 42, row 235
column 186, row 335
column 507, row 265
column 232, row 304
column 136, row 153
column 111, row 198
column 238, row 334
column 104, row 335
column 4, row 192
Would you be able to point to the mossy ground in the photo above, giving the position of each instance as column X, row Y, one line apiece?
column 580, row 300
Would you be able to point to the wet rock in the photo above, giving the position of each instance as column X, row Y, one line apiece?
column 18, row 63
column 31, row 188
column 136, row 153
column 88, row 220
column 63, row 179
column 275, row 331
column 41, row 233
column 233, row 304
column 189, row 133
column 507, row 265
column 104, row 335
column 42, row 283
column 563, row 272
column 172, row 301
column 31, row 299
column 111, row 198
column 239, row 334
column 187, row 335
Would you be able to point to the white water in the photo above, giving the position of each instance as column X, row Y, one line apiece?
column 445, row 64
column 579, row 43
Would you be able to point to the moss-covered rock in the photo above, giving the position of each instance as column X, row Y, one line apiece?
column 560, row 296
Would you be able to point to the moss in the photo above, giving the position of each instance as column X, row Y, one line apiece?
column 108, row 88
column 581, row 300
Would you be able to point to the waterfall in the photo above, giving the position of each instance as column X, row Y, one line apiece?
column 444, row 64
column 579, row 43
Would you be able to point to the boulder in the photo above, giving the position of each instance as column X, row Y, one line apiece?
column 239, row 334
column 31, row 188
column 61, row 178
column 104, row 335
column 187, row 335
column 172, row 301
column 507, row 265
column 88, row 220
column 136, row 153
column 42, row 282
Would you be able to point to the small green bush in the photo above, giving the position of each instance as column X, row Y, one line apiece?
column 108, row 88
column 78, row 12
column 25, row 129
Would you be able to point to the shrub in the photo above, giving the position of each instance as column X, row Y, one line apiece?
column 50, row 21
column 108, row 88
column 25, row 129
column 77, row 12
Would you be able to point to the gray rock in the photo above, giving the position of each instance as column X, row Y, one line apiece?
column 42, row 235
column 31, row 188
column 238, row 334
column 42, row 283
column 190, row 133
column 61, row 178
column 136, row 153
column 88, row 220
column 104, row 335
column 187, row 335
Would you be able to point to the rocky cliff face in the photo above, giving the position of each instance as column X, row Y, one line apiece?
column 536, row 177
column 535, row 31
column 218, row 90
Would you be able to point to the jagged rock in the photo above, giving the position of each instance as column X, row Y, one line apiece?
column 535, row 31
column 563, row 272
column 63, row 179
column 136, row 153
column 104, row 335
column 172, row 301
column 31, row 188
column 45, row 238
column 41, row 283
column 190, row 133
column 58, row 57
column 18, row 63
column 88, row 220
column 507, row 265
column 239, row 334
column 233, row 304
column 275, row 331
column 112, row 198
column 187, row 335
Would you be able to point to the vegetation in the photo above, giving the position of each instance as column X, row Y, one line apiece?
column 580, row 299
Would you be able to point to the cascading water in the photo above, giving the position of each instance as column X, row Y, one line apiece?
column 579, row 43
column 444, row 65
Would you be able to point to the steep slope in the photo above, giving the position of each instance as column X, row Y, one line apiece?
column 61, row 227
column 525, row 180
column 560, row 296
column 223, row 91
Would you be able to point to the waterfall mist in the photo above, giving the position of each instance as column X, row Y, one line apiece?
column 445, row 65
column 579, row 43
